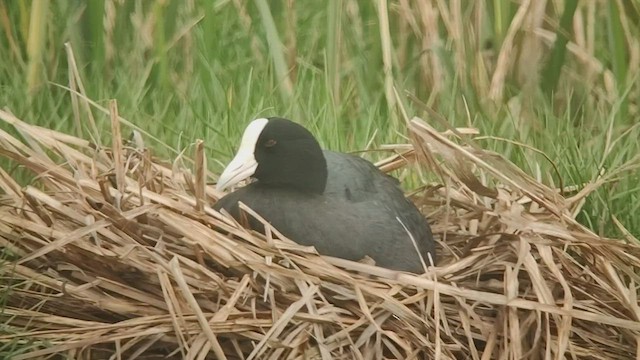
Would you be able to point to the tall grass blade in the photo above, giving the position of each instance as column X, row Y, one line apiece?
column 161, row 69
column 9, row 30
column 276, row 50
column 94, row 32
column 387, row 60
column 36, row 44
column 556, row 62
column 617, row 49
column 334, row 38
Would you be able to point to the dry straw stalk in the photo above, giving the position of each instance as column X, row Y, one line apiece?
column 110, row 254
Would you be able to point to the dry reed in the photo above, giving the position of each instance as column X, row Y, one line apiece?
column 110, row 255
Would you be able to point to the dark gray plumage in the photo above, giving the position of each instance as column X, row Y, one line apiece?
column 341, row 204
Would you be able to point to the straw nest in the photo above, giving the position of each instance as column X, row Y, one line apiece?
column 110, row 253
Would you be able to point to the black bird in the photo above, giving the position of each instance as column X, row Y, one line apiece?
column 339, row 203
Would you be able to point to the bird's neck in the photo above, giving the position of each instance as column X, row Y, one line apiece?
column 306, row 173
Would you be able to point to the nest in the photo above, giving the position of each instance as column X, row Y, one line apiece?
column 110, row 253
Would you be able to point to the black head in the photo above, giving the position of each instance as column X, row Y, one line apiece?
column 284, row 155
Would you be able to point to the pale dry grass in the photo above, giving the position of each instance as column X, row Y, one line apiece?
column 113, row 254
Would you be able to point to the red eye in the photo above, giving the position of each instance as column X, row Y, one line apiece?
column 270, row 143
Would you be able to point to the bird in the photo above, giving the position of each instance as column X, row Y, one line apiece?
column 339, row 203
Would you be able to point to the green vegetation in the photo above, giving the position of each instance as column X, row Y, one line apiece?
column 202, row 69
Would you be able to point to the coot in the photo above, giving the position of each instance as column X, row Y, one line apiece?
column 339, row 203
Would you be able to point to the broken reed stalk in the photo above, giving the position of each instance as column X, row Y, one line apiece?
column 154, row 273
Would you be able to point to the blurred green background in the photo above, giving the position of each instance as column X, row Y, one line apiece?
column 560, row 76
